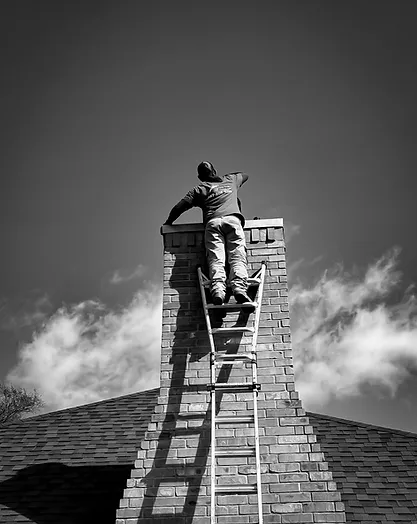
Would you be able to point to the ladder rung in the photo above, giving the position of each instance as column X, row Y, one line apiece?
column 242, row 357
column 235, row 452
column 237, row 488
column 224, row 419
column 233, row 305
column 233, row 330
column 234, row 385
column 252, row 281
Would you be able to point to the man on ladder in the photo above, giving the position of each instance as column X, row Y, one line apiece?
column 224, row 236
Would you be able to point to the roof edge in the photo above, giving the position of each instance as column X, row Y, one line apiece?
column 362, row 424
column 80, row 406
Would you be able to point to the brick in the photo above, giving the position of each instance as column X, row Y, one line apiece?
column 293, row 477
column 127, row 512
column 307, row 517
column 317, row 457
column 226, row 510
column 285, row 467
column 330, row 517
column 287, row 508
column 232, row 499
column 293, row 457
column 284, row 487
column 133, row 492
column 326, row 496
column 272, row 519
column 230, row 519
column 314, row 486
column 249, row 509
column 301, row 439
column 285, row 448
column 295, row 497
column 254, row 236
column 321, row 475
column 318, row 507
column 292, row 421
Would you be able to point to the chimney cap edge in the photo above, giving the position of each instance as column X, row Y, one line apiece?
column 250, row 224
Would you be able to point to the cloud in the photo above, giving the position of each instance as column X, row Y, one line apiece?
column 22, row 312
column 347, row 333
column 291, row 230
column 124, row 275
column 84, row 353
column 294, row 267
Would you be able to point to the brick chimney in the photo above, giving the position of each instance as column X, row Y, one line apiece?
column 170, row 482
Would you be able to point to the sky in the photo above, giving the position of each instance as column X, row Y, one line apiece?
column 106, row 110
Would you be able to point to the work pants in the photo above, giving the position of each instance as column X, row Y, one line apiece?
column 225, row 239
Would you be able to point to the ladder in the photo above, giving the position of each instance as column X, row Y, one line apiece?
column 216, row 361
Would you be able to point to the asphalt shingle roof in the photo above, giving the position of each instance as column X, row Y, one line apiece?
column 71, row 466
column 375, row 469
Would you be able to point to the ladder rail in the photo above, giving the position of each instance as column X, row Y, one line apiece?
column 256, row 393
column 258, row 309
column 257, row 455
column 212, row 400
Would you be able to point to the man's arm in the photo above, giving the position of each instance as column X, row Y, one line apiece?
column 182, row 206
column 240, row 177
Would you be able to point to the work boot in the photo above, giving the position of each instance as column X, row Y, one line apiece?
column 241, row 296
column 218, row 298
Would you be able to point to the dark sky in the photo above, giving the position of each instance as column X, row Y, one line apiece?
column 107, row 108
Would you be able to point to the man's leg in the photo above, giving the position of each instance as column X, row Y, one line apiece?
column 236, row 255
column 216, row 258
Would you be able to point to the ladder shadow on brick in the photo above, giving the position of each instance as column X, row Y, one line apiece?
column 188, row 330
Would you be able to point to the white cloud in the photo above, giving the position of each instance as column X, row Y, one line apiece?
column 346, row 334
column 24, row 311
column 301, row 263
column 124, row 275
column 85, row 353
column 291, row 230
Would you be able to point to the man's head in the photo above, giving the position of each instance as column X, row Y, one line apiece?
column 206, row 171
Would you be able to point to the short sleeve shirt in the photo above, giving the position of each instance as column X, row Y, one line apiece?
column 217, row 199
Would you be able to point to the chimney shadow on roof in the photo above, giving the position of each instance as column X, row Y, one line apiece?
column 190, row 344
column 53, row 492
